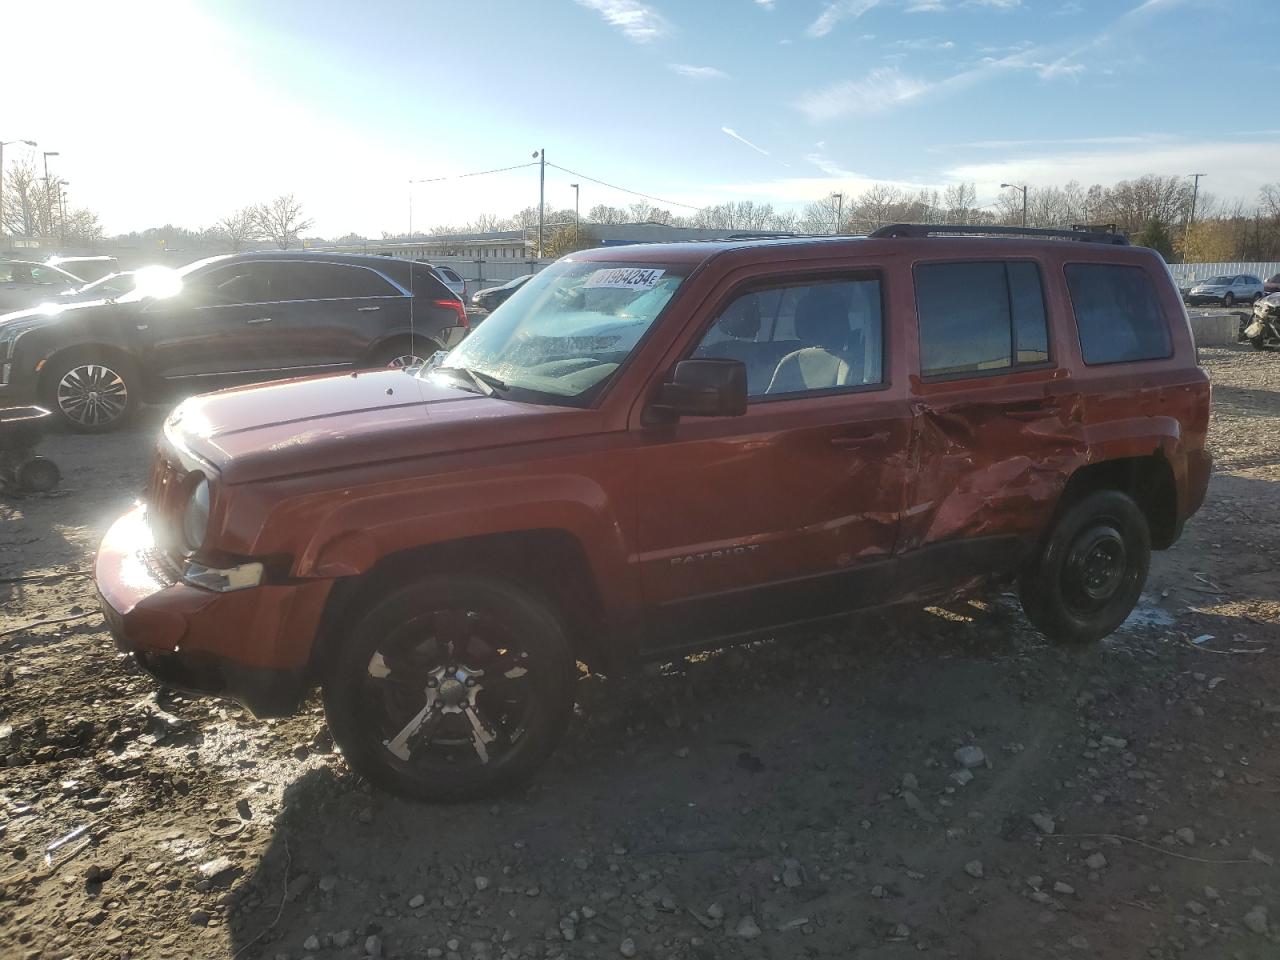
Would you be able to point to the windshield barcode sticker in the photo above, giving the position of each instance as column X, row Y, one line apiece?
column 624, row 278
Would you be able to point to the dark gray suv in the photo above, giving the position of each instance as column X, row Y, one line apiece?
column 222, row 322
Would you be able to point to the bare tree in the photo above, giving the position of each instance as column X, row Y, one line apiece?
column 959, row 201
column 239, row 228
column 281, row 220
column 30, row 206
column 602, row 213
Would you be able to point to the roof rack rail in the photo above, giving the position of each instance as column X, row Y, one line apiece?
column 1092, row 234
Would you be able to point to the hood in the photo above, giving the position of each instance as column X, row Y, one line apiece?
column 53, row 309
column 356, row 419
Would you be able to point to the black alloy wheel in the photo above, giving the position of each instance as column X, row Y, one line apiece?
column 452, row 688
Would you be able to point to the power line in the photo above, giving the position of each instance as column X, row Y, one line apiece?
column 478, row 173
column 614, row 186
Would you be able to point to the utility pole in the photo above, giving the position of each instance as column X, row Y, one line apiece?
column 541, row 157
column 3, row 144
column 577, row 220
column 839, row 210
column 1195, row 193
column 62, row 205
column 48, row 212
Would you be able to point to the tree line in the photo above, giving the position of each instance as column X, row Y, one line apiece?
column 1155, row 211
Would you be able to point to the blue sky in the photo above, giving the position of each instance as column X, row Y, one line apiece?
column 212, row 104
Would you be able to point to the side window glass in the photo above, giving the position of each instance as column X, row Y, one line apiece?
column 239, row 283
column 1118, row 314
column 1026, row 298
column 977, row 317
column 325, row 281
column 802, row 338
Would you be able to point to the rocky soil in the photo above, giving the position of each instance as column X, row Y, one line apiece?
column 935, row 783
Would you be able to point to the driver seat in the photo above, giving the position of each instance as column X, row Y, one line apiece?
column 822, row 319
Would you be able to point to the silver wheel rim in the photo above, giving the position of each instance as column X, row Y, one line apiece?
column 92, row 395
column 406, row 360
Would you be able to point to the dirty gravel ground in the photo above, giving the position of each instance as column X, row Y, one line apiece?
column 797, row 799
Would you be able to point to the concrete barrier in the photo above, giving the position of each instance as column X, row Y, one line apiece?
column 1216, row 329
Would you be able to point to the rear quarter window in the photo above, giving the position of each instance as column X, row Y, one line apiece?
column 1118, row 314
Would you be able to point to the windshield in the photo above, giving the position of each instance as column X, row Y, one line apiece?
column 564, row 333
column 111, row 283
column 1218, row 281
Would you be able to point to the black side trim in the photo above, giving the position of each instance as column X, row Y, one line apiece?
column 742, row 614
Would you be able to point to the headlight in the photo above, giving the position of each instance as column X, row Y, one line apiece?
column 195, row 519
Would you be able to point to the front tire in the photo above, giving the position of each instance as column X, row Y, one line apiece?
column 451, row 688
column 405, row 355
column 1091, row 571
column 1229, row 300
column 91, row 393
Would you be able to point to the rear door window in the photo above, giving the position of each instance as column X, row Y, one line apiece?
column 980, row 317
column 1118, row 313
column 233, row 284
column 326, row 281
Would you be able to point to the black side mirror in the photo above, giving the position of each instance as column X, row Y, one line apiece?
column 705, row 388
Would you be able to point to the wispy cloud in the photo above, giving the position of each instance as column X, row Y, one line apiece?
column 637, row 21
column 835, row 11
column 923, row 43
column 881, row 89
column 765, row 4
column 730, row 132
column 1005, row 145
column 697, row 73
column 996, row 4
column 926, row 6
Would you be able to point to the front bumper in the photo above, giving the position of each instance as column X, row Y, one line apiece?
column 250, row 645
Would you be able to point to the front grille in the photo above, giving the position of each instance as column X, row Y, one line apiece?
column 165, row 501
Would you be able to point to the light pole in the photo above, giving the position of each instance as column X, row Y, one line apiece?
column 1024, row 198
column 3, row 144
column 839, row 210
column 1195, row 193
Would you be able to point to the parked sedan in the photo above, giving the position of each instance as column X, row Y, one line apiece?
column 24, row 284
column 111, row 287
column 87, row 269
column 1272, row 284
column 490, row 298
column 220, row 322
column 1227, row 290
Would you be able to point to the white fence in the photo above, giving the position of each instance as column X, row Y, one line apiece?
column 1202, row 271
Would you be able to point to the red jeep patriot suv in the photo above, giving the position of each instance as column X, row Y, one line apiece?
column 649, row 450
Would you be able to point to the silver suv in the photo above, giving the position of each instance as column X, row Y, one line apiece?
column 1227, row 290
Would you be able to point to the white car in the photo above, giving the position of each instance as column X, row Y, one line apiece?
column 451, row 279
column 24, row 284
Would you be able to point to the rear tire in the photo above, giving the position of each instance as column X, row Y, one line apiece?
column 92, row 392
column 38, row 475
column 1091, row 571
column 451, row 688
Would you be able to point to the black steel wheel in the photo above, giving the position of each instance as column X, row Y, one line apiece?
column 91, row 394
column 451, row 688
column 1090, row 573
column 38, row 475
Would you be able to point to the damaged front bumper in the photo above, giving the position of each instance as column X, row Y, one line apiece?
column 251, row 643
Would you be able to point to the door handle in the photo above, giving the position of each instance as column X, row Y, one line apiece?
column 859, row 440
column 259, row 320
column 367, row 309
